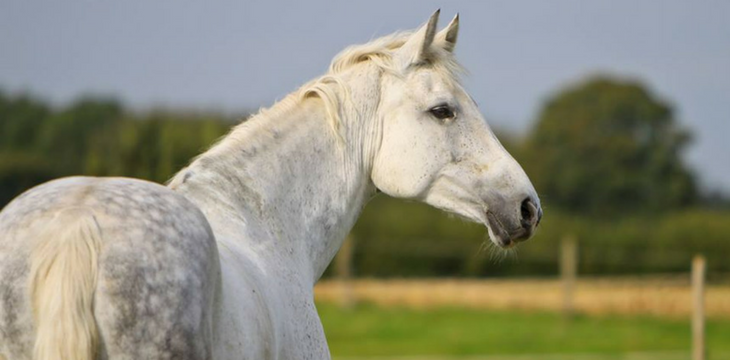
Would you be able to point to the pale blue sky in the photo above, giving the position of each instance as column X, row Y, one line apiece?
column 235, row 55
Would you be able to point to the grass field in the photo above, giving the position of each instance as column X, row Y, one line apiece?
column 372, row 332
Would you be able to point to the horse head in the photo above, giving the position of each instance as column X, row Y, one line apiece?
column 436, row 147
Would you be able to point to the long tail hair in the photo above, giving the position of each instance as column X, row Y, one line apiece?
column 63, row 276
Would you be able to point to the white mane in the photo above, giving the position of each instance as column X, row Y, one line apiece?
column 334, row 91
column 380, row 52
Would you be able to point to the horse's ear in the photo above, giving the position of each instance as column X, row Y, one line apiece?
column 446, row 38
column 417, row 48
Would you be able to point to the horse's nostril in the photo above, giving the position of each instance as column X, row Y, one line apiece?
column 525, row 211
column 528, row 211
column 530, row 216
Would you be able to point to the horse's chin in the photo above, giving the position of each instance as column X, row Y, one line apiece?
column 502, row 243
column 497, row 233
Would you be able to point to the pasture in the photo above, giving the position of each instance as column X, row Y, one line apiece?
column 369, row 331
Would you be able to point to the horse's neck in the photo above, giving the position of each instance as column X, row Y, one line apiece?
column 286, row 171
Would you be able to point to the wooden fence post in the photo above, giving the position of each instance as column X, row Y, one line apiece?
column 343, row 272
column 568, row 273
column 698, row 308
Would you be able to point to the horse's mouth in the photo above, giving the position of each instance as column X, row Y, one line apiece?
column 501, row 236
column 497, row 232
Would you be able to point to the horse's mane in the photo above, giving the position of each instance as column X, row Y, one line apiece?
column 332, row 90
column 379, row 52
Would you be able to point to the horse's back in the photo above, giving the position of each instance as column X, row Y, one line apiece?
column 157, row 267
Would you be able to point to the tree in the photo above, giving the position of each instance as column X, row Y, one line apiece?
column 66, row 134
column 20, row 118
column 609, row 146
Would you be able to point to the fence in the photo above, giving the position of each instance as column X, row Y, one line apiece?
column 664, row 296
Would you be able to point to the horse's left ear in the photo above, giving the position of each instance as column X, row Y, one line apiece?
column 417, row 48
column 446, row 38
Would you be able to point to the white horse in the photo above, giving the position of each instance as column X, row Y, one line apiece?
column 221, row 263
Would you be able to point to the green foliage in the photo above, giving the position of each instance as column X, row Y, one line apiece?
column 368, row 330
column 397, row 238
column 66, row 135
column 153, row 147
column 21, row 171
column 19, row 120
column 96, row 136
column 609, row 147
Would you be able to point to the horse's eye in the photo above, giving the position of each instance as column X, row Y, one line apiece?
column 442, row 112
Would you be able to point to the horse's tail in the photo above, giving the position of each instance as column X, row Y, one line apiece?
column 63, row 279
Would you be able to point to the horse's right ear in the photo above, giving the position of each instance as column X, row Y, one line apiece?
column 417, row 48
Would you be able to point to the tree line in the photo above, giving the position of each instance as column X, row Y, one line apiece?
column 604, row 154
column 96, row 136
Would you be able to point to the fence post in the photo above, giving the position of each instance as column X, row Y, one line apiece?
column 698, row 308
column 568, row 272
column 343, row 272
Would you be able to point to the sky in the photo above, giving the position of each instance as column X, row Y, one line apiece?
column 239, row 55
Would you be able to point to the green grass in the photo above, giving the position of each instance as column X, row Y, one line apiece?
column 368, row 330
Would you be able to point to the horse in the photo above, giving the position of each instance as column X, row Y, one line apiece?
column 221, row 262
